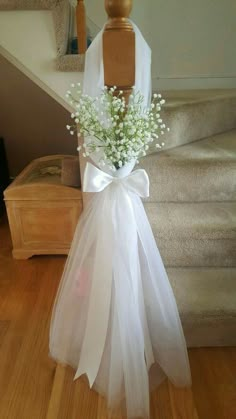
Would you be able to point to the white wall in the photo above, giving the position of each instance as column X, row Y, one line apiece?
column 31, row 122
column 193, row 41
column 27, row 39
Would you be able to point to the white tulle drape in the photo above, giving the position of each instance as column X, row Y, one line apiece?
column 115, row 317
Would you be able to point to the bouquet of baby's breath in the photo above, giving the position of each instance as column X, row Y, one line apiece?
column 118, row 132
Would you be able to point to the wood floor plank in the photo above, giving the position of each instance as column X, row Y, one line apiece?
column 102, row 408
column 217, row 380
column 56, row 394
column 26, row 371
column 229, row 391
column 34, row 386
column 182, row 403
column 161, row 402
column 15, row 311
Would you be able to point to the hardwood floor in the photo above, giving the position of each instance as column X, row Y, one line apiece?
column 33, row 386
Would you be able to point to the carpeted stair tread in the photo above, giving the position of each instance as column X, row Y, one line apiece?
column 207, row 304
column 194, row 116
column 187, row 96
column 209, row 331
column 205, row 220
column 204, row 291
column 201, row 171
column 194, row 234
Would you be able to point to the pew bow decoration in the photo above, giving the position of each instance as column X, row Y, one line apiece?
column 123, row 322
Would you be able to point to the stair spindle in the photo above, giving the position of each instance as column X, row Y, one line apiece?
column 81, row 26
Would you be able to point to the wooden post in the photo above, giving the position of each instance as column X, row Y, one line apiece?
column 119, row 47
column 118, row 55
column 81, row 27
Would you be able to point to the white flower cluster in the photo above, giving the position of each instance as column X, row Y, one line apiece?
column 118, row 132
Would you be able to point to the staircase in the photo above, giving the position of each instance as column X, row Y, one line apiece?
column 192, row 204
column 192, row 210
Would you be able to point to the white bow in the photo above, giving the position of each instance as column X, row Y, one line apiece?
column 95, row 180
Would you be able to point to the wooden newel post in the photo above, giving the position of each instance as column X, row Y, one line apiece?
column 119, row 47
column 81, row 27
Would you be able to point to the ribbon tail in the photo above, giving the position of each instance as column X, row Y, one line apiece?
column 100, row 297
column 167, row 336
column 134, row 340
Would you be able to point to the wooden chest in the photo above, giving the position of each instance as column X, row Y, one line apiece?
column 42, row 212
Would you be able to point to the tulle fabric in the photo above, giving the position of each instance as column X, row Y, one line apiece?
column 93, row 82
column 114, row 244
column 115, row 317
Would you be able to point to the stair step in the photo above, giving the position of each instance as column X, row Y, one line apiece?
column 186, row 96
column 193, row 115
column 194, row 234
column 200, row 171
column 206, row 302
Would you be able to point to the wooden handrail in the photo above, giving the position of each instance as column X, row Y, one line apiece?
column 81, row 27
column 119, row 47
